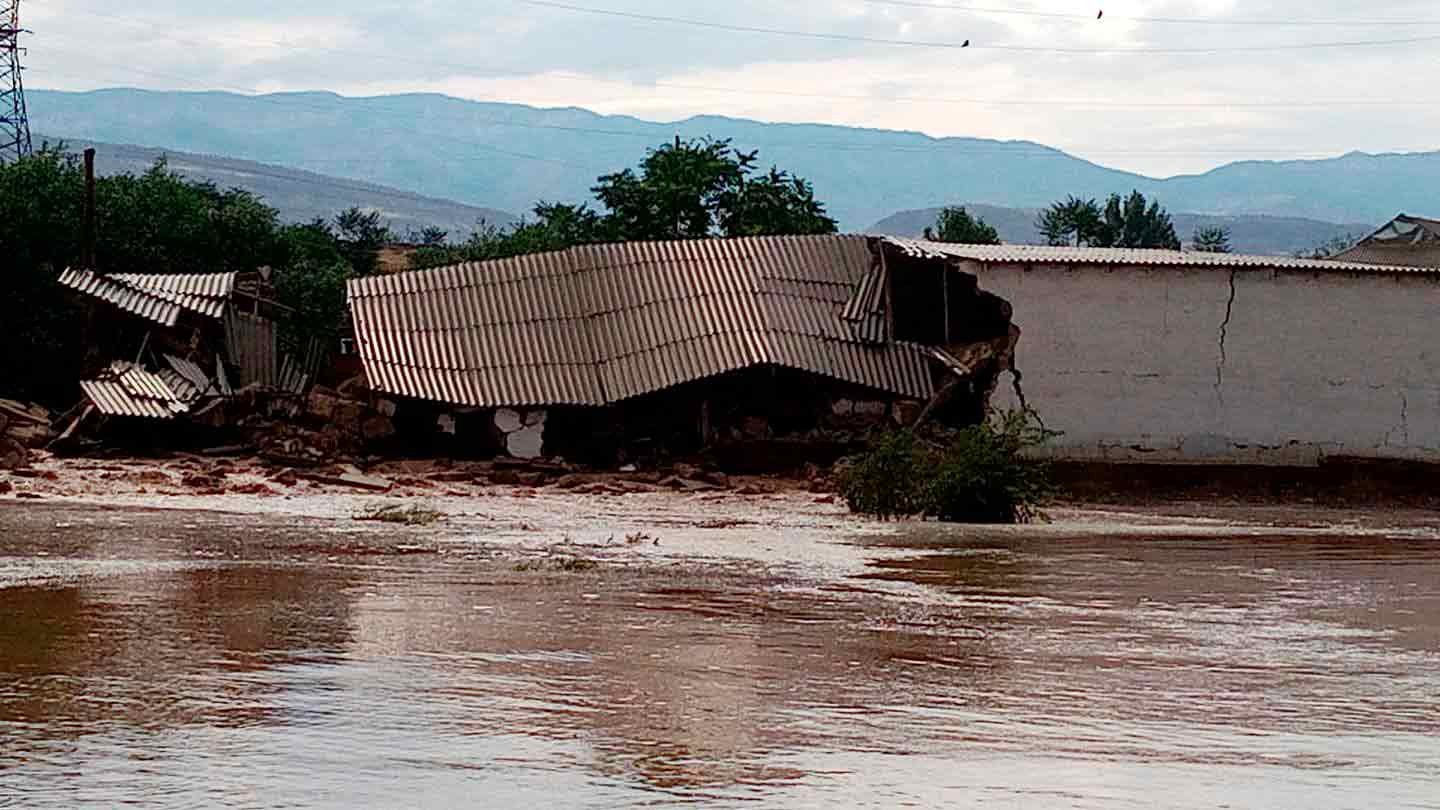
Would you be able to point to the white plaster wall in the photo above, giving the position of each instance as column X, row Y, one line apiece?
column 1128, row 362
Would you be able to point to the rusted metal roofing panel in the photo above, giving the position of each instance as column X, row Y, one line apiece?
column 157, row 297
column 598, row 324
column 1134, row 257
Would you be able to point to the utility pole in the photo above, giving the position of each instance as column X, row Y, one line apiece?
column 14, row 121
column 87, row 255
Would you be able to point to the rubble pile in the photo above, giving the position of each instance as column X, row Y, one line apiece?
column 23, row 428
column 324, row 427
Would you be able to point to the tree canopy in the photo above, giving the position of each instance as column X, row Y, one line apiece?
column 1073, row 221
column 695, row 189
column 153, row 222
column 1130, row 222
column 1211, row 239
column 955, row 224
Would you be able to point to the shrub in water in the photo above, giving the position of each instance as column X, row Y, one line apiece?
column 981, row 477
column 888, row 480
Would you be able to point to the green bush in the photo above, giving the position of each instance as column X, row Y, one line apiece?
column 982, row 476
column 888, row 481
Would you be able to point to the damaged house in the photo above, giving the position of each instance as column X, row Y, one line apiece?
column 1206, row 358
column 609, row 352
column 1407, row 240
column 176, row 346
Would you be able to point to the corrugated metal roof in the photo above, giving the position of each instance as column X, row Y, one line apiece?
column 1404, row 240
column 160, row 298
column 192, row 374
column 1037, row 254
column 600, row 324
column 126, row 389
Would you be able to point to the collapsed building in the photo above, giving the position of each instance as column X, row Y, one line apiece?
column 605, row 353
column 179, row 346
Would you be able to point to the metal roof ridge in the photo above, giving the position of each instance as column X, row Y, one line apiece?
column 1060, row 254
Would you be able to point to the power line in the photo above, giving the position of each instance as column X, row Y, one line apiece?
column 490, row 73
column 912, row 43
column 1088, row 17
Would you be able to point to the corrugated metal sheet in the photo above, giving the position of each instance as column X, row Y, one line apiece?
column 126, row 389
column 1425, row 255
column 160, row 298
column 250, row 342
column 603, row 323
column 191, row 373
column 1405, row 240
column 1118, row 257
column 866, row 308
column 137, row 302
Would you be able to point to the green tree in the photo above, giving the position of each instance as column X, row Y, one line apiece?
column 1330, row 248
column 40, row 206
column 1211, row 239
column 681, row 190
column 555, row 226
column 1073, row 221
column 1130, row 222
column 361, row 235
column 1136, row 223
column 431, row 236
column 957, row 225
column 160, row 222
column 774, row 204
column 703, row 188
column 314, row 293
column 676, row 192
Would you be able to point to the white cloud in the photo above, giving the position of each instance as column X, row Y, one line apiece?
column 515, row 52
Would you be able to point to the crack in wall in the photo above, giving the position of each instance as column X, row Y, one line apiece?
column 1225, row 333
column 1403, row 427
column 1405, row 418
column 1017, row 378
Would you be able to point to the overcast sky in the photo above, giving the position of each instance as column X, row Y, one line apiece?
column 1040, row 70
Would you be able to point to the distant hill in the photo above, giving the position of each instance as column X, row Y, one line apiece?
column 1262, row 235
column 299, row 196
column 508, row 156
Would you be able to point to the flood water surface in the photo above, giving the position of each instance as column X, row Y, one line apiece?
column 173, row 659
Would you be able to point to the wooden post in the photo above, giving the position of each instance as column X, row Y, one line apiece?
column 88, row 248
column 945, row 281
column 889, row 295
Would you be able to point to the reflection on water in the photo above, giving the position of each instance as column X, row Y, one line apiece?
column 173, row 660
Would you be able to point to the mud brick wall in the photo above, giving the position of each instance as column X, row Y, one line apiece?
column 1214, row 365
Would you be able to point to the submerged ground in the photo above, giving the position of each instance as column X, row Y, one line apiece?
column 558, row 649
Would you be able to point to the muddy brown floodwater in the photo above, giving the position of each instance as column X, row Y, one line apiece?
column 204, row 659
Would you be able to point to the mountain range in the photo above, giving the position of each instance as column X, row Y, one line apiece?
column 300, row 196
column 508, row 156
